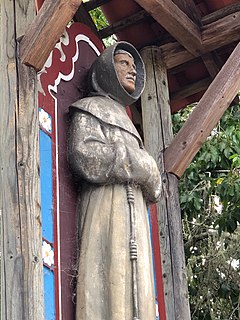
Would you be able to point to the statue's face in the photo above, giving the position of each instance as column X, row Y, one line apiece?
column 126, row 71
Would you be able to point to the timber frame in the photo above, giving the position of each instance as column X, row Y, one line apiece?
column 212, row 39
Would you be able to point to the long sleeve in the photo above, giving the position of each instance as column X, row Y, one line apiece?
column 98, row 159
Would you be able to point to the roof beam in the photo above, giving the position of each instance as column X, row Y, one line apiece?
column 209, row 59
column 221, row 13
column 46, row 30
column 123, row 23
column 222, row 31
column 205, row 116
column 189, row 7
column 176, row 22
column 191, row 89
column 93, row 4
column 215, row 35
column 174, row 54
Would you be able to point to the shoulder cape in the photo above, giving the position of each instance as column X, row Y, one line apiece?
column 108, row 111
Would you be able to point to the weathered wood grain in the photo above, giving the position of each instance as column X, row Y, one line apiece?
column 221, row 32
column 154, row 143
column 157, row 136
column 220, row 13
column 123, row 23
column 182, row 309
column 205, row 116
column 45, row 31
column 22, row 287
column 92, row 4
column 191, row 89
column 176, row 22
column 175, row 54
column 209, row 59
column 189, row 7
column 214, row 35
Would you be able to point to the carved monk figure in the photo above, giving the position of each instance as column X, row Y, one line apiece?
column 107, row 155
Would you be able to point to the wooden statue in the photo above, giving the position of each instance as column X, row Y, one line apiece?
column 116, row 178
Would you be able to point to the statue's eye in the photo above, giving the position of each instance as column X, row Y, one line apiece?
column 124, row 62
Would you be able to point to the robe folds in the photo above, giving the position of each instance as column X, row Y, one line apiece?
column 106, row 151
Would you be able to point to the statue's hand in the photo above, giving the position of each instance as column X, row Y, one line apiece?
column 152, row 187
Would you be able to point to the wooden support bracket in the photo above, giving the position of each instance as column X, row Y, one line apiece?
column 176, row 22
column 205, row 116
column 215, row 35
column 189, row 7
column 191, row 89
column 45, row 31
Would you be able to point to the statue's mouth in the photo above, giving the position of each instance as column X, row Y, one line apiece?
column 131, row 78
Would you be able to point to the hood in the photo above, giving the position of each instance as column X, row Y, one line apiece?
column 103, row 79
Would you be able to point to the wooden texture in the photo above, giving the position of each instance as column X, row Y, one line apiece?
column 209, row 61
column 45, row 31
column 221, row 32
column 181, row 302
column 221, row 13
column 176, row 22
column 214, row 35
column 205, row 116
column 92, row 4
column 191, row 89
column 190, row 9
column 157, row 136
column 22, row 287
column 174, row 54
column 124, row 23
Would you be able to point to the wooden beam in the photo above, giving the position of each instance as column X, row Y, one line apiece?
column 209, row 59
column 215, row 35
column 221, row 32
column 221, row 13
column 176, row 22
column 123, row 23
column 45, row 30
column 190, row 9
column 21, row 236
column 191, row 89
column 205, row 116
column 174, row 54
column 158, row 135
column 93, row 4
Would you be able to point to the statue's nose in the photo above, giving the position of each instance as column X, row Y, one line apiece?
column 133, row 72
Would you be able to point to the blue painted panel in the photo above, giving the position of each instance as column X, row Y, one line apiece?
column 46, row 185
column 49, row 303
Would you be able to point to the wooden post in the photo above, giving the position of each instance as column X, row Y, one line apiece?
column 22, row 287
column 157, row 136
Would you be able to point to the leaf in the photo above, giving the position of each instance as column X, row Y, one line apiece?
column 231, row 225
column 197, row 203
column 219, row 180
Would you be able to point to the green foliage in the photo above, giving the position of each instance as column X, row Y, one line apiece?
column 101, row 22
column 210, row 203
column 99, row 19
